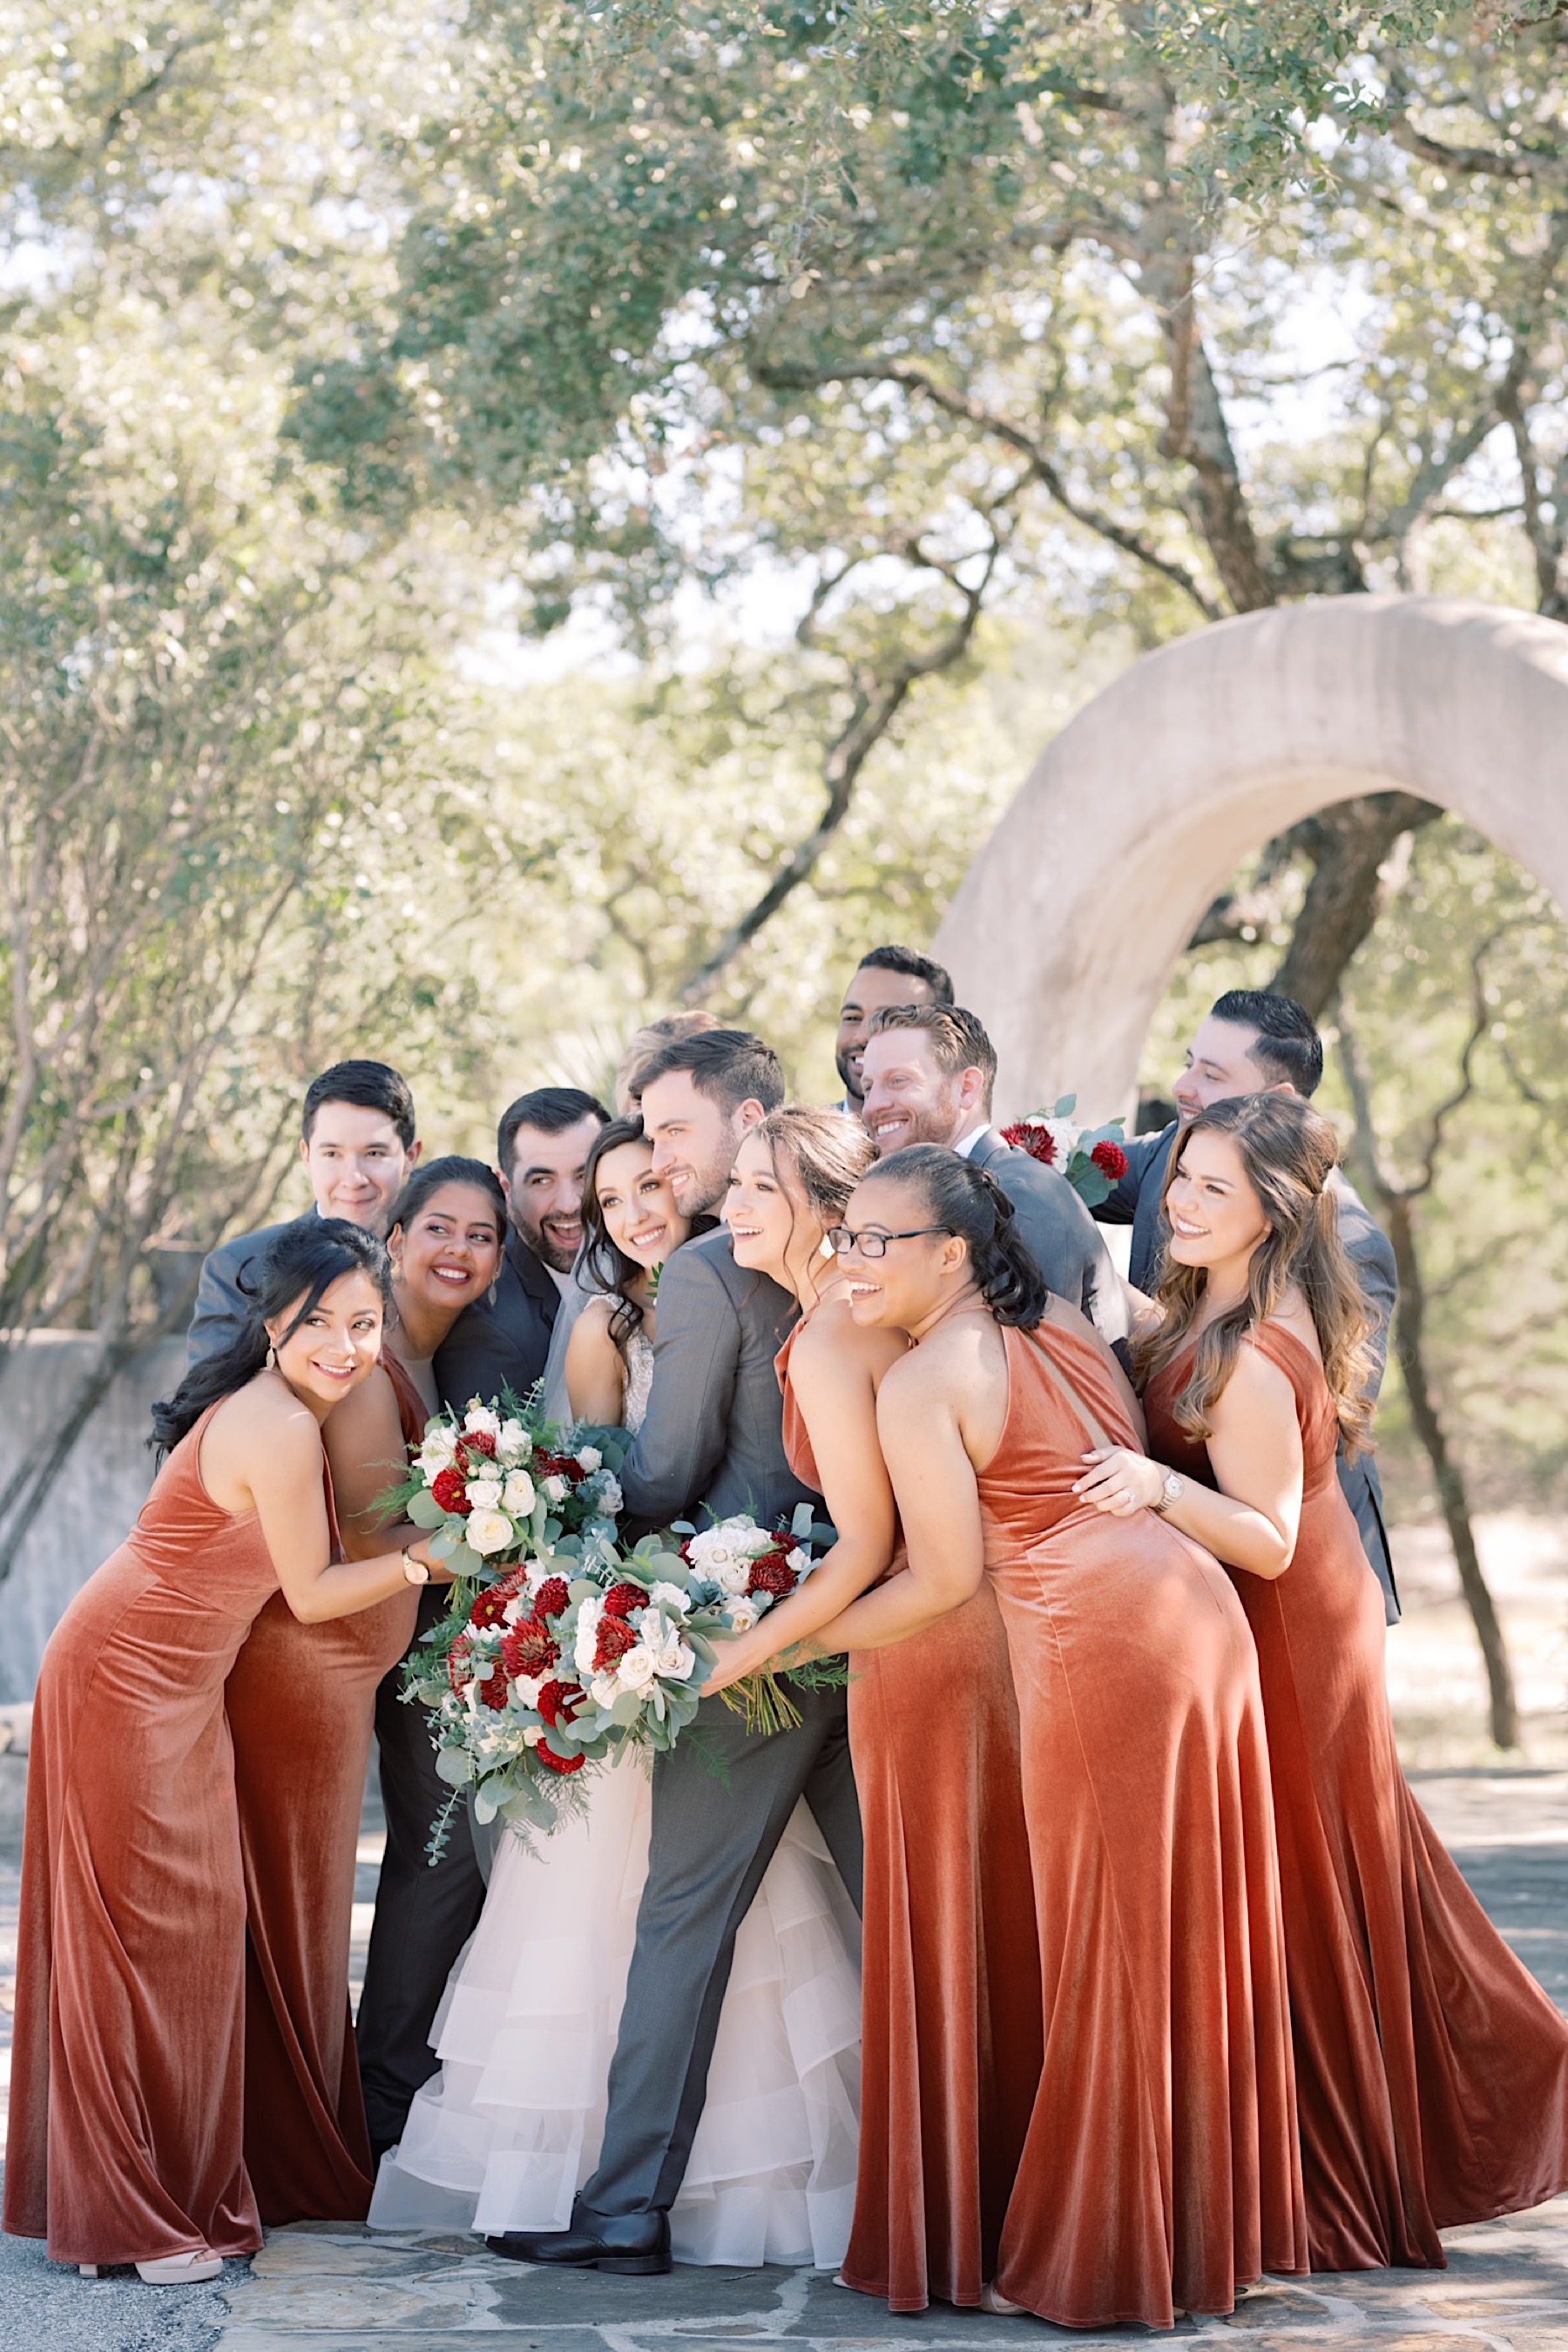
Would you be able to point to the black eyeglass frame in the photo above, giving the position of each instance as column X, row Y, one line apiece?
column 843, row 1240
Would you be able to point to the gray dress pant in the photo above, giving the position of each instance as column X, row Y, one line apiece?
column 716, row 1821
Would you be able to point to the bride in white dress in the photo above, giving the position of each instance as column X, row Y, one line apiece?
column 505, row 2134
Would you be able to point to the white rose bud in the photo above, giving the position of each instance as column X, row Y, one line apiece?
column 481, row 1420
column 484, row 1493
column 556, row 1489
column 742, row 1615
column 517, row 1494
column 671, row 1597
column 590, row 1458
column 488, row 1532
column 638, row 1669
column 513, row 1443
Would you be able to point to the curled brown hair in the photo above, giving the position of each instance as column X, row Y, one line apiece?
column 1289, row 1151
column 828, row 1151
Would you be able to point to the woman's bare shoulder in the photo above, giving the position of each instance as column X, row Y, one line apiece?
column 264, row 1420
column 832, row 1340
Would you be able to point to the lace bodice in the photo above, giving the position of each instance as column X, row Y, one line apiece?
column 639, row 1380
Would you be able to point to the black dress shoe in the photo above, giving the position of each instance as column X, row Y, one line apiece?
column 635, row 2245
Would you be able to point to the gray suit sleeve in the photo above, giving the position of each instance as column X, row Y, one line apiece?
column 1370, row 1253
column 696, row 1357
column 557, row 1404
column 220, row 1312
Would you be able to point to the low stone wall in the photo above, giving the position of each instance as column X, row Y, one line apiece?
column 97, row 1494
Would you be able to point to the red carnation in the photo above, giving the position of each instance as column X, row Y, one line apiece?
column 772, row 1574
column 479, row 1440
column 559, row 1702
column 457, row 1661
column 623, row 1598
column 492, row 1604
column 1037, row 1142
column 615, row 1638
column 555, row 1466
column 529, row 1648
column 1111, row 1161
column 552, row 1597
column 558, row 1763
column 450, row 1491
column 492, row 1690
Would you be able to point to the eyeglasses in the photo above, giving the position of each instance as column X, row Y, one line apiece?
column 875, row 1244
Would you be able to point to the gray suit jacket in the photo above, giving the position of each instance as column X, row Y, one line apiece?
column 714, row 1429
column 1135, row 1202
column 222, row 1308
column 504, row 1346
column 1060, row 1231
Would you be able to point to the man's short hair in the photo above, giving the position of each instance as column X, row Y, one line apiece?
column 729, row 1065
column 958, row 1038
column 914, row 966
column 374, row 1086
column 552, row 1109
column 1288, row 1050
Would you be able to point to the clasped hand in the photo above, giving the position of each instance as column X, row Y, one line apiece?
column 1122, row 1482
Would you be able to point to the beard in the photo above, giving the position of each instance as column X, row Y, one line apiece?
column 560, row 1258
column 930, row 1124
column 852, row 1093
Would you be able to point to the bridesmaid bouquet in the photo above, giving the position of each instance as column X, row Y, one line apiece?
column 740, row 1571
column 499, row 1480
column 1091, row 1157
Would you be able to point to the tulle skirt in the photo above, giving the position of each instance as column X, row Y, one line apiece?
column 503, row 2137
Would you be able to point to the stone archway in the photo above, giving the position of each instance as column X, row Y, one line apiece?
column 1071, row 918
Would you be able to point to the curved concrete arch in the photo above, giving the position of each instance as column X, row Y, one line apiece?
column 1069, row 921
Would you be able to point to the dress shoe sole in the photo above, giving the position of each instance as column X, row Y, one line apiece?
column 622, row 2265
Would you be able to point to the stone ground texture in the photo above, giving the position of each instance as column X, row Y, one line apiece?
column 324, row 2289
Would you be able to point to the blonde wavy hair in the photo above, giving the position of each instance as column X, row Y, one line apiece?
column 1289, row 1151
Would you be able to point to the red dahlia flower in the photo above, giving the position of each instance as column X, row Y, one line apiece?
column 529, row 1648
column 492, row 1690
column 772, row 1574
column 1111, row 1161
column 615, row 1638
column 1037, row 1142
column 552, row 1597
column 623, row 1598
column 479, row 1440
column 491, row 1605
column 458, row 1657
column 450, row 1491
column 559, row 1702
column 558, row 1763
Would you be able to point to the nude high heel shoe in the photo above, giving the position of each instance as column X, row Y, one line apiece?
column 169, row 2270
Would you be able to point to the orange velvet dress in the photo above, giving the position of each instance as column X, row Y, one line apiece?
column 950, row 2024
column 1432, row 2071
column 302, row 1701
column 127, row 2088
column 1161, row 2169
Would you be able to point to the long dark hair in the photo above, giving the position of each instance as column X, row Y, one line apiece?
column 451, row 1169
column 605, row 1262
column 307, row 1258
column 968, row 1201
column 1289, row 1151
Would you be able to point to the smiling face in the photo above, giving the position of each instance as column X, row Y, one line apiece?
column 872, row 991
column 638, row 1206
column 336, row 1345
column 772, row 1224
column 917, row 1276
column 694, row 1140
column 909, row 1098
column 544, row 1189
column 449, row 1251
column 1220, row 1066
column 356, row 1162
column 1216, row 1218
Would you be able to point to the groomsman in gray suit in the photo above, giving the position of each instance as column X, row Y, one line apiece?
column 713, row 1437
column 1253, row 1042
column 927, row 1074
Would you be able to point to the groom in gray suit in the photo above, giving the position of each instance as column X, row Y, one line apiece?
column 712, row 1435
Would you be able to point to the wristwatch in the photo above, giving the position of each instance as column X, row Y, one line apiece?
column 415, row 1571
column 1172, row 1489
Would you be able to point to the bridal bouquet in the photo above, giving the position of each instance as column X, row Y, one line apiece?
column 740, row 1570
column 1091, row 1157
column 499, row 1480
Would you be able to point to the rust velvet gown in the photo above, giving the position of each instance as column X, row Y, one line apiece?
column 1162, row 2170
column 127, row 2102
column 1432, row 2071
column 301, row 1702
column 951, row 2032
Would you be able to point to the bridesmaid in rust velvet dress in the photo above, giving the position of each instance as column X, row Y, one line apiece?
column 951, row 2000
column 301, row 1702
column 1432, row 2071
column 127, row 2097
column 1159, row 2169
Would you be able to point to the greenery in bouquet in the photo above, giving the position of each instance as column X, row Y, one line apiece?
column 1091, row 1157
column 740, row 1570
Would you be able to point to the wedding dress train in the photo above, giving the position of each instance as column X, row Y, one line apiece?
column 504, row 2134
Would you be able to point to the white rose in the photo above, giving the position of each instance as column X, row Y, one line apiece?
column 528, row 1688
column 481, row 1420
column 799, row 1560
column 513, row 1443
column 734, row 1576
column 607, row 1495
column 742, row 1615
column 590, row 1457
column 638, row 1668
column 712, row 1550
column 555, row 1490
column 672, row 1597
column 588, row 1616
column 488, row 1532
column 484, row 1493
column 671, row 1656
column 517, row 1494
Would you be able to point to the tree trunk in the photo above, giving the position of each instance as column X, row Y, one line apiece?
column 1408, row 1321
column 1348, row 844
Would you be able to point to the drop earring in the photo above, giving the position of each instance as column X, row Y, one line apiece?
column 272, row 1359
column 491, row 1294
